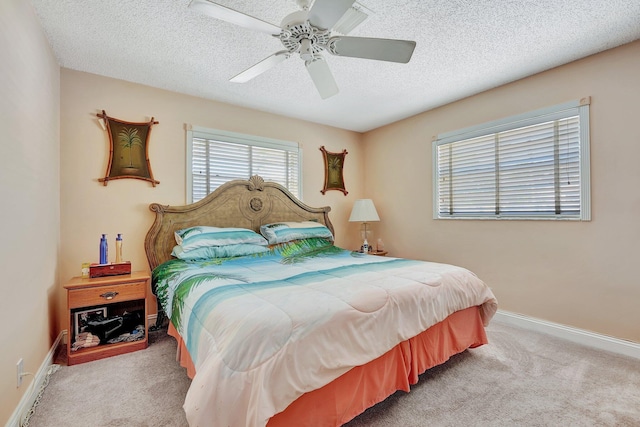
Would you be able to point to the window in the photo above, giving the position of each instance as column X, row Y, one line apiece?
column 531, row 166
column 215, row 157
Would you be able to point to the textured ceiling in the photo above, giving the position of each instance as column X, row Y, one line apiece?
column 463, row 47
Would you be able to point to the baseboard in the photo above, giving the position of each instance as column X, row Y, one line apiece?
column 30, row 395
column 579, row 336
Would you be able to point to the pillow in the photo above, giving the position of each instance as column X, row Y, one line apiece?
column 208, row 252
column 301, row 245
column 202, row 236
column 280, row 232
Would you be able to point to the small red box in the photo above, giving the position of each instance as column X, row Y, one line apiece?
column 100, row 270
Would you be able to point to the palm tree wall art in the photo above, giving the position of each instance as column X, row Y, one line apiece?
column 333, row 171
column 129, row 149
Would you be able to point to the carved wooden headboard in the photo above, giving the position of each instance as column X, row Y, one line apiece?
column 239, row 203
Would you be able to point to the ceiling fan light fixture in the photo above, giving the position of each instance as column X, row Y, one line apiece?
column 306, row 50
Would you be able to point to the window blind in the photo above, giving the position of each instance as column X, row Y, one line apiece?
column 533, row 171
column 218, row 157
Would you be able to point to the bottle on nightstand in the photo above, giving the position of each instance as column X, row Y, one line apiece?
column 119, row 249
column 104, row 257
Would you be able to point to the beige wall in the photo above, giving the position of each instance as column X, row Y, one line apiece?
column 582, row 274
column 30, row 191
column 88, row 208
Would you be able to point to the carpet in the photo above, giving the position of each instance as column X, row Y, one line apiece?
column 521, row 378
column 142, row 389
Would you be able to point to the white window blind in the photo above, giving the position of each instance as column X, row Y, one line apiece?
column 215, row 157
column 529, row 166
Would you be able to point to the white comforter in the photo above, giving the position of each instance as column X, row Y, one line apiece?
column 263, row 330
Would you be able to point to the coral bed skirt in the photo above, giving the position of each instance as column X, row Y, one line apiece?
column 363, row 386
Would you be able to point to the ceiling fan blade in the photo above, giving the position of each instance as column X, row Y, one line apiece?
column 369, row 48
column 233, row 16
column 262, row 66
column 325, row 13
column 321, row 75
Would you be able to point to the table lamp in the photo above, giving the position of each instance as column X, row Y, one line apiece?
column 364, row 211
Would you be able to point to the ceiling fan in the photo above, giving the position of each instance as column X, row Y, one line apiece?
column 308, row 32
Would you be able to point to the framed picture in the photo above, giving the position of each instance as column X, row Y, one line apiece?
column 333, row 173
column 129, row 149
column 80, row 318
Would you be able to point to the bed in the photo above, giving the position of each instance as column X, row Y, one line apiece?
column 303, row 333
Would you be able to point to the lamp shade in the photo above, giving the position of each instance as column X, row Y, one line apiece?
column 364, row 211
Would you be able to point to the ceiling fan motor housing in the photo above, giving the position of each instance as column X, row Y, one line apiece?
column 298, row 35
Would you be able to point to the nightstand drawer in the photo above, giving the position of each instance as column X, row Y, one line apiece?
column 107, row 294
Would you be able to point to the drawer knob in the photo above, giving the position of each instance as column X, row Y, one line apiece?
column 109, row 295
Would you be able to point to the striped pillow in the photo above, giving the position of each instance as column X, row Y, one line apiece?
column 203, row 236
column 227, row 251
column 287, row 231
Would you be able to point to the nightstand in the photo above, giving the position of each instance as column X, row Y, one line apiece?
column 110, row 296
